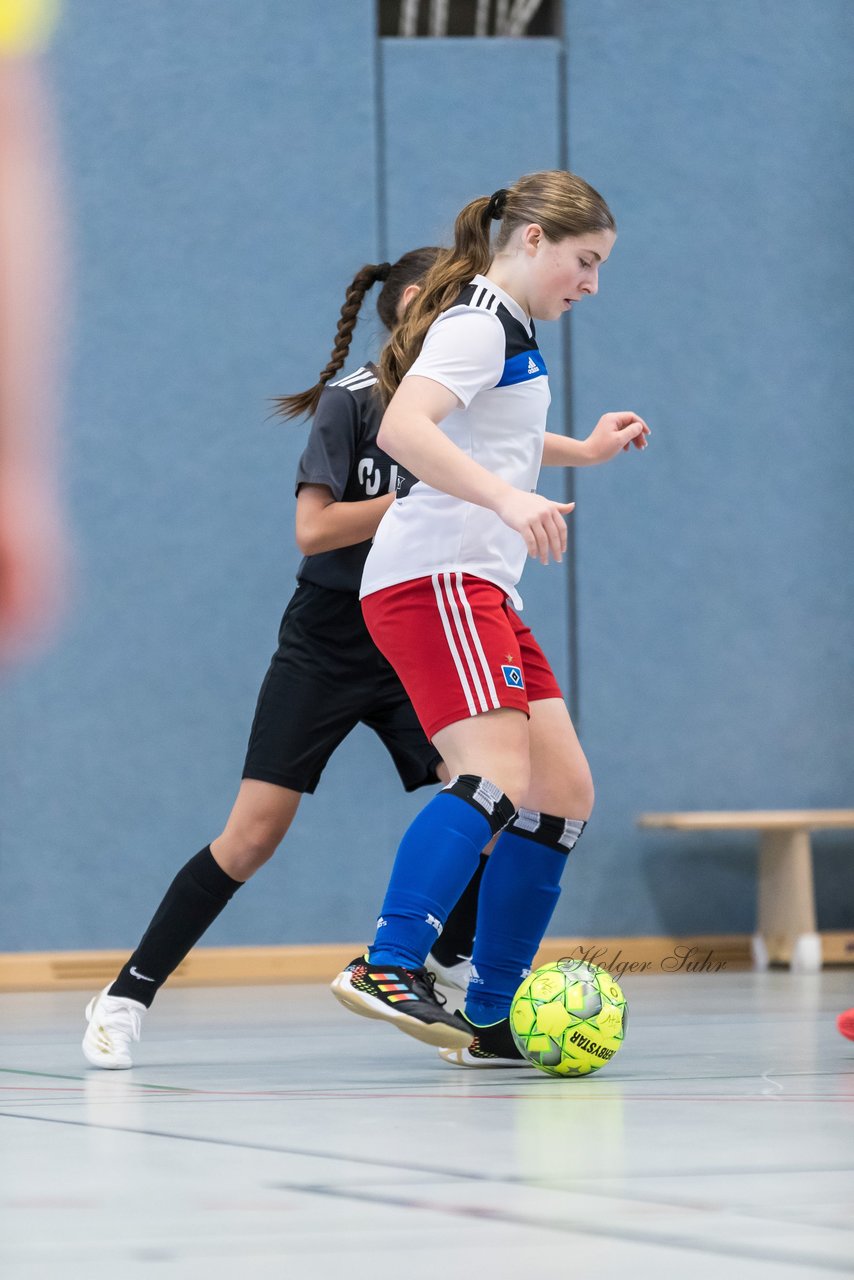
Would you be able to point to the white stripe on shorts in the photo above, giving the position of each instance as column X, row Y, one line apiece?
column 473, row 669
column 449, row 636
column 490, row 683
column 462, row 637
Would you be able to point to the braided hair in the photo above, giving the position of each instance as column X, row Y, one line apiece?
column 396, row 278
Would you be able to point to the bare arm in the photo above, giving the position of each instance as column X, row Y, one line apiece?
column 322, row 524
column 614, row 433
column 410, row 434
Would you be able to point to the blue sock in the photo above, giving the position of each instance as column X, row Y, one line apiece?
column 436, row 860
column 518, row 895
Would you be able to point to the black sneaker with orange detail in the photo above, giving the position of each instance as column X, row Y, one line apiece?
column 404, row 997
column 490, row 1046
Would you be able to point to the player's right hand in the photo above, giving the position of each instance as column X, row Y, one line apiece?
column 541, row 522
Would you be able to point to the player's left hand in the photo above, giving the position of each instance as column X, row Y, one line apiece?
column 616, row 433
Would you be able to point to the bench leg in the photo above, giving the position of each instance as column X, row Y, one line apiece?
column 786, row 908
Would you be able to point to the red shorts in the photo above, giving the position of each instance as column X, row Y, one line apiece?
column 458, row 648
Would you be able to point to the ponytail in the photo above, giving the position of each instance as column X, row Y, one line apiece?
column 454, row 268
column 305, row 402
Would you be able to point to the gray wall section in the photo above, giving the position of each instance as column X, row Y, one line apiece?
column 716, row 590
column 223, row 180
column 221, row 170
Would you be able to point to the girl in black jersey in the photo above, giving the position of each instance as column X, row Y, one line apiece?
column 326, row 676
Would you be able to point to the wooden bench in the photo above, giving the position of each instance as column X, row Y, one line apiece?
column 786, row 929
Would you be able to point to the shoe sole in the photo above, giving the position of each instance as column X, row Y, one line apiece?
column 437, row 1034
column 461, row 1058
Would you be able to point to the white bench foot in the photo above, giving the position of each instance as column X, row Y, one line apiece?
column 806, row 954
column 759, row 952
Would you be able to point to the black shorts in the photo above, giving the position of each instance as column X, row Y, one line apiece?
column 326, row 677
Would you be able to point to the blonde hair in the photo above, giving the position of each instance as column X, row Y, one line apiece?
column 560, row 202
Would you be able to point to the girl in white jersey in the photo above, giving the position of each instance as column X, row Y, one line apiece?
column 467, row 393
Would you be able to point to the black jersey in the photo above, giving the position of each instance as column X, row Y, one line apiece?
column 342, row 453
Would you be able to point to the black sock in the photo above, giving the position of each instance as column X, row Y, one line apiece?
column 456, row 940
column 190, row 905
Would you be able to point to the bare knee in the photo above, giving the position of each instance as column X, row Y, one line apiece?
column 494, row 745
column 518, row 784
column 566, row 793
column 256, row 827
column 561, row 783
column 512, row 776
column 244, row 851
column 583, row 794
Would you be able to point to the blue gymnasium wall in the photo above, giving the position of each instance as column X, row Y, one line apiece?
column 223, row 180
column 716, row 589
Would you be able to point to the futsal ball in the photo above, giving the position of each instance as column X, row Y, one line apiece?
column 569, row 1018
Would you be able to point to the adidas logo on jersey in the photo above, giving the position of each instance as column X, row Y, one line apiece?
column 533, row 367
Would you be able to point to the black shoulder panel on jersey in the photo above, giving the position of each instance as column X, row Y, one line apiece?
column 516, row 336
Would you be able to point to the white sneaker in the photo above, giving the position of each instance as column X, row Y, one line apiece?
column 452, row 975
column 113, row 1022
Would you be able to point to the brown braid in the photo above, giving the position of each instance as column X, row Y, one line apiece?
column 398, row 276
column 305, row 402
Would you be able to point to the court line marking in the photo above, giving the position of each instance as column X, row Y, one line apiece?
column 81, row 1080
column 562, row 1226
column 466, row 1176
column 609, row 1231
column 444, row 1091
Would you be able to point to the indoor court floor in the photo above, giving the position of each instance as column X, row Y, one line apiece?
column 265, row 1132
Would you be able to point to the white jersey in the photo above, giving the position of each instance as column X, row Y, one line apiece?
column 484, row 350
